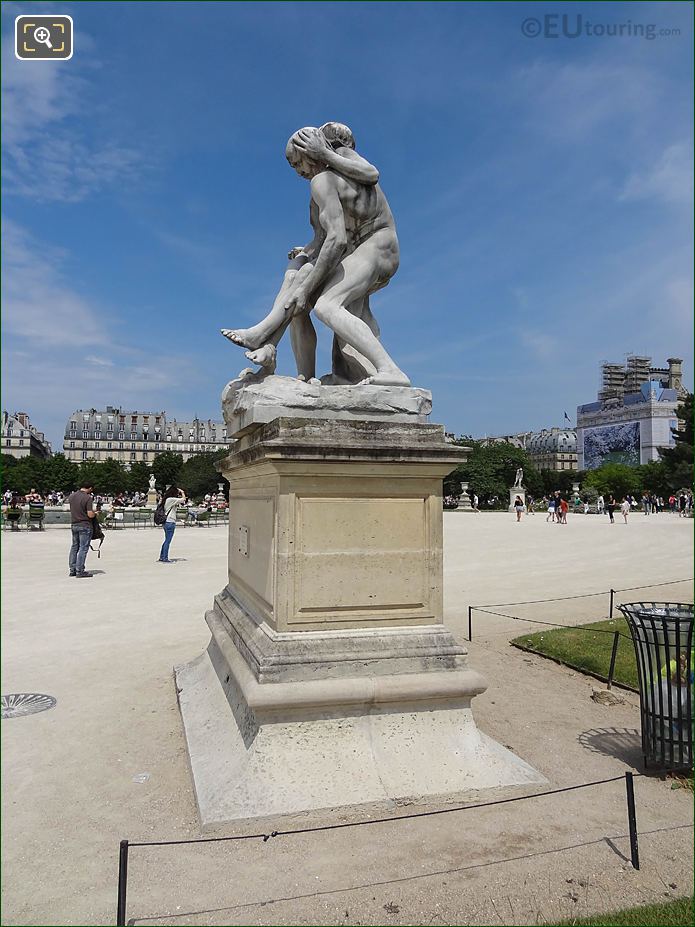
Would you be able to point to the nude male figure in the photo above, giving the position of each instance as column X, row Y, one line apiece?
column 354, row 253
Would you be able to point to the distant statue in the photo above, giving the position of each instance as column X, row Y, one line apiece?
column 353, row 254
column 153, row 483
column 519, row 478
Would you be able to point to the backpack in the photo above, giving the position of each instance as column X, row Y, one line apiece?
column 160, row 515
column 97, row 535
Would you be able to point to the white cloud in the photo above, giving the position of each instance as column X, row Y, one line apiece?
column 47, row 154
column 668, row 179
column 60, row 352
column 38, row 302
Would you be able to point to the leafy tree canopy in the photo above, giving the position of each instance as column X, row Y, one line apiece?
column 198, row 475
column 166, row 468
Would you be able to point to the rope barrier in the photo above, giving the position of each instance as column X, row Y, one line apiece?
column 400, row 817
column 586, row 595
column 125, row 845
column 555, row 625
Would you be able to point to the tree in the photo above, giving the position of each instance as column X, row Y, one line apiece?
column 111, row 476
column 61, row 473
column 90, row 472
column 198, row 475
column 560, row 479
column 678, row 460
column 138, row 480
column 166, row 468
column 615, row 479
column 490, row 471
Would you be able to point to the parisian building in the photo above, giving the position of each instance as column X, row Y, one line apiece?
column 548, row 449
column 130, row 436
column 634, row 415
column 21, row 439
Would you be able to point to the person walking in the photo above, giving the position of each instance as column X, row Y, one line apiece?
column 564, row 509
column 518, row 507
column 81, row 514
column 551, row 510
column 610, row 508
column 625, row 508
column 600, row 505
column 171, row 500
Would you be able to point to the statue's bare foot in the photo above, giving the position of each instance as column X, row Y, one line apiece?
column 265, row 356
column 393, row 377
column 244, row 337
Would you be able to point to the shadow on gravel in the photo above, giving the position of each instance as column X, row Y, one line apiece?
column 622, row 743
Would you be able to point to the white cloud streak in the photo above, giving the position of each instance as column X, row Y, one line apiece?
column 44, row 158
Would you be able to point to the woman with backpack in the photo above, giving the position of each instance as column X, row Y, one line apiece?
column 166, row 517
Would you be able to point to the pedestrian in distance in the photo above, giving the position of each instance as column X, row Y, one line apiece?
column 82, row 512
column 564, row 509
column 610, row 508
column 600, row 505
column 625, row 509
column 171, row 500
column 518, row 507
column 551, row 510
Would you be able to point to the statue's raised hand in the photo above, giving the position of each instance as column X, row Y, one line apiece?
column 313, row 144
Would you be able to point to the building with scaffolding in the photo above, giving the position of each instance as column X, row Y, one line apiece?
column 634, row 415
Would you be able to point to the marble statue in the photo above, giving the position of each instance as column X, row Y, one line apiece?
column 353, row 254
column 153, row 482
column 519, row 478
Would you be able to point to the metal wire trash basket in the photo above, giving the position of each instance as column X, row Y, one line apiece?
column 662, row 633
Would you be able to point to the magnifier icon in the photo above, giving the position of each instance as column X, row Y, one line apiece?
column 43, row 35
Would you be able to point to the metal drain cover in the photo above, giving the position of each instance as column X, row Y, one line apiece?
column 25, row 703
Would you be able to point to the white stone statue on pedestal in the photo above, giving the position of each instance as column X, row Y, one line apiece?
column 353, row 254
column 330, row 679
column 518, row 482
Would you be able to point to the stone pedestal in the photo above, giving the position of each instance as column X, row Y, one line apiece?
column 330, row 680
column 464, row 499
column 152, row 499
column 513, row 493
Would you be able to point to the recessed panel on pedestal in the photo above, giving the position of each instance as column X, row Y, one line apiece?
column 360, row 559
column 252, row 551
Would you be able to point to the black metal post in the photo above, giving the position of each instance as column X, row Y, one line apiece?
column 610, row 609
column 632, row 819
column 614, row 654
column 470, row 622
column 122, row 882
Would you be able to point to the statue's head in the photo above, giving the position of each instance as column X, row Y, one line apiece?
column 338, row 135
column 302, row 164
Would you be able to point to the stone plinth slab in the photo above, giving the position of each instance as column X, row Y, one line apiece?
column 254, row 401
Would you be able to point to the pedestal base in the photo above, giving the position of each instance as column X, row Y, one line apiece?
column 513, row 493
column 152, row 499
column 326, row 742
column 330, row 680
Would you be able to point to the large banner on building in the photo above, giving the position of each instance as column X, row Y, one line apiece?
column 612, row 444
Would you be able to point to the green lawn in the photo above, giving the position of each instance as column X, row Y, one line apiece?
column 678, row 913
column 587, row 648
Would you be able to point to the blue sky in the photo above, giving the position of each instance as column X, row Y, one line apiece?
column 542, row 190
